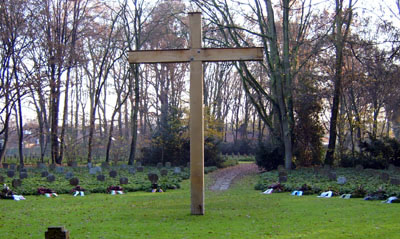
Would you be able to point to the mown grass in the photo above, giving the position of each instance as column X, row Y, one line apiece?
column 240, row 212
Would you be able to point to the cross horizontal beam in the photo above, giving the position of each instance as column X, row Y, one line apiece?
column 201, row 54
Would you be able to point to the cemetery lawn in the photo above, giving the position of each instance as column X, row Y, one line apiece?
column 240, row 212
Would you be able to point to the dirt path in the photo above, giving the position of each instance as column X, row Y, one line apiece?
column 223, row 178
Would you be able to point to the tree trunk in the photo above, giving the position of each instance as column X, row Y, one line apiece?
column 132, row 153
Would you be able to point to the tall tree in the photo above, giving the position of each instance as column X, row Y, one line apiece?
column 343, row 19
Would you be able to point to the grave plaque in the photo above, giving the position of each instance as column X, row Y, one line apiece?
column 16, row 182
column 69, row 175
column 101, row 178
column 359, row 167
column 123, row 180
column 177, row 170
column 10, row 173
column 95, row 170
column 395, row 181
column 113, row 173
column 159, row 165
column 123, row 166
column 153, row 178
column 23, row 175
column 13, row 166
column 341, row 180
column 73, row 164
column 92, row 171
column 23, row 170
column 89, row 165
column 132, row 170
column 164, row 172
column 282, row 173
column 2, row 179
column 105, row 165
column 74, row 181
column 384, row 176
column 332, row 176
column 282, row 179
column 168, row 164
column 41, row 165
column 392, row 167
column 44, row 174
column 51, row 178
column 98, row 169
column 52, row 167
column 281, row 168
column 327, row 167
column 59, row 169
column 140, row 169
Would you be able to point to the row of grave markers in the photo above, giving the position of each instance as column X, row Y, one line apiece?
column 96, row 170
column 330, row 173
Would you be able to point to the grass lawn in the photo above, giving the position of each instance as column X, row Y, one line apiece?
column 240, row 212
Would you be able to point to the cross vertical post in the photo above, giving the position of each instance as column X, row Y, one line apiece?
column 196, row 118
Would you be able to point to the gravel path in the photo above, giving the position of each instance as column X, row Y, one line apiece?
column 224, row 177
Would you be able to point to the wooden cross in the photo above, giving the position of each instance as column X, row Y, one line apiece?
column 196, row 55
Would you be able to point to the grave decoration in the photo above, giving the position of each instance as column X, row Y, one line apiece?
column 6, row 193
column 360, row 192
column 47, row 192
column 113, row 190
column 276, row 187
column 378, row 195
column 78, row 190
